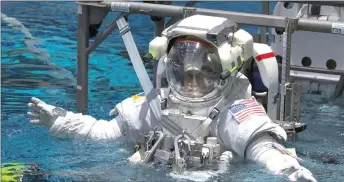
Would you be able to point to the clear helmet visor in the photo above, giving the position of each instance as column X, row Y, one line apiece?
column 193, row 68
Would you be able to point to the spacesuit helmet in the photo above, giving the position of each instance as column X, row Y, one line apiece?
column 194, row 68
column 200, row 57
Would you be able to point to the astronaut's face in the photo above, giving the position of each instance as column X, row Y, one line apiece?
column 193, row 68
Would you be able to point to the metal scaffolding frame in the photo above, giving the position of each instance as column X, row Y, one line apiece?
column 177, row 12
column 326, row 3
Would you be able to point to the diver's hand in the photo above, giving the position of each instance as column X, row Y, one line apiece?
column 44, row 114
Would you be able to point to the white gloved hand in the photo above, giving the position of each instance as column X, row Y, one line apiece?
column 294, row 171
column 44, row 114
column 275, row 157
column 302, row 174
column 289, row 167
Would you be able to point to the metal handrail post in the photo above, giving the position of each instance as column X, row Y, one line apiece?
column 285, row 75
column 264, row 30
column 82, row 71
column 101, row 37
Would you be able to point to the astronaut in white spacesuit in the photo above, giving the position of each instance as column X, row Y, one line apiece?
column 207, row 104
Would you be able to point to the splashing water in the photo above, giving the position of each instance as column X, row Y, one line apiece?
column 31, row 42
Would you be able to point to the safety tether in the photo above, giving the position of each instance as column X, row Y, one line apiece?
column 203, row 129
column 140, row 70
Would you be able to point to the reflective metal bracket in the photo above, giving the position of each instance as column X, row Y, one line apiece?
column 188, row 11
column 292, row 107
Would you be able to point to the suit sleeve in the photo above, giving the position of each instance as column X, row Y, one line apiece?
column 78, row 126
column 244, row 121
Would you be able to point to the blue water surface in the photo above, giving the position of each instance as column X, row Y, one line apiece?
column 38, row 58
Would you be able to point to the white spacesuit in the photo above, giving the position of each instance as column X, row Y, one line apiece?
column 206, row 109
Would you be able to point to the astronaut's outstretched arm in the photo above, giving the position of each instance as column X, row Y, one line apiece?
column 266, row 151
column 78, row 126
column 66, row 124
column 250, row 133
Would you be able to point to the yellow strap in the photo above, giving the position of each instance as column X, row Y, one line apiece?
column 236, row 66
column 233, row 69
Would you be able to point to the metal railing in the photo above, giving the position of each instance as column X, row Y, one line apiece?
column 177, row 12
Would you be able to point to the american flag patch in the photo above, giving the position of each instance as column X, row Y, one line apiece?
column 246, row 109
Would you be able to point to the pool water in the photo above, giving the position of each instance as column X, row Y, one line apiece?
column 38, row 58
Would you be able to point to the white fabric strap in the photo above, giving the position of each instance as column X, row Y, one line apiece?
column 140, row 70
column 203, row 130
